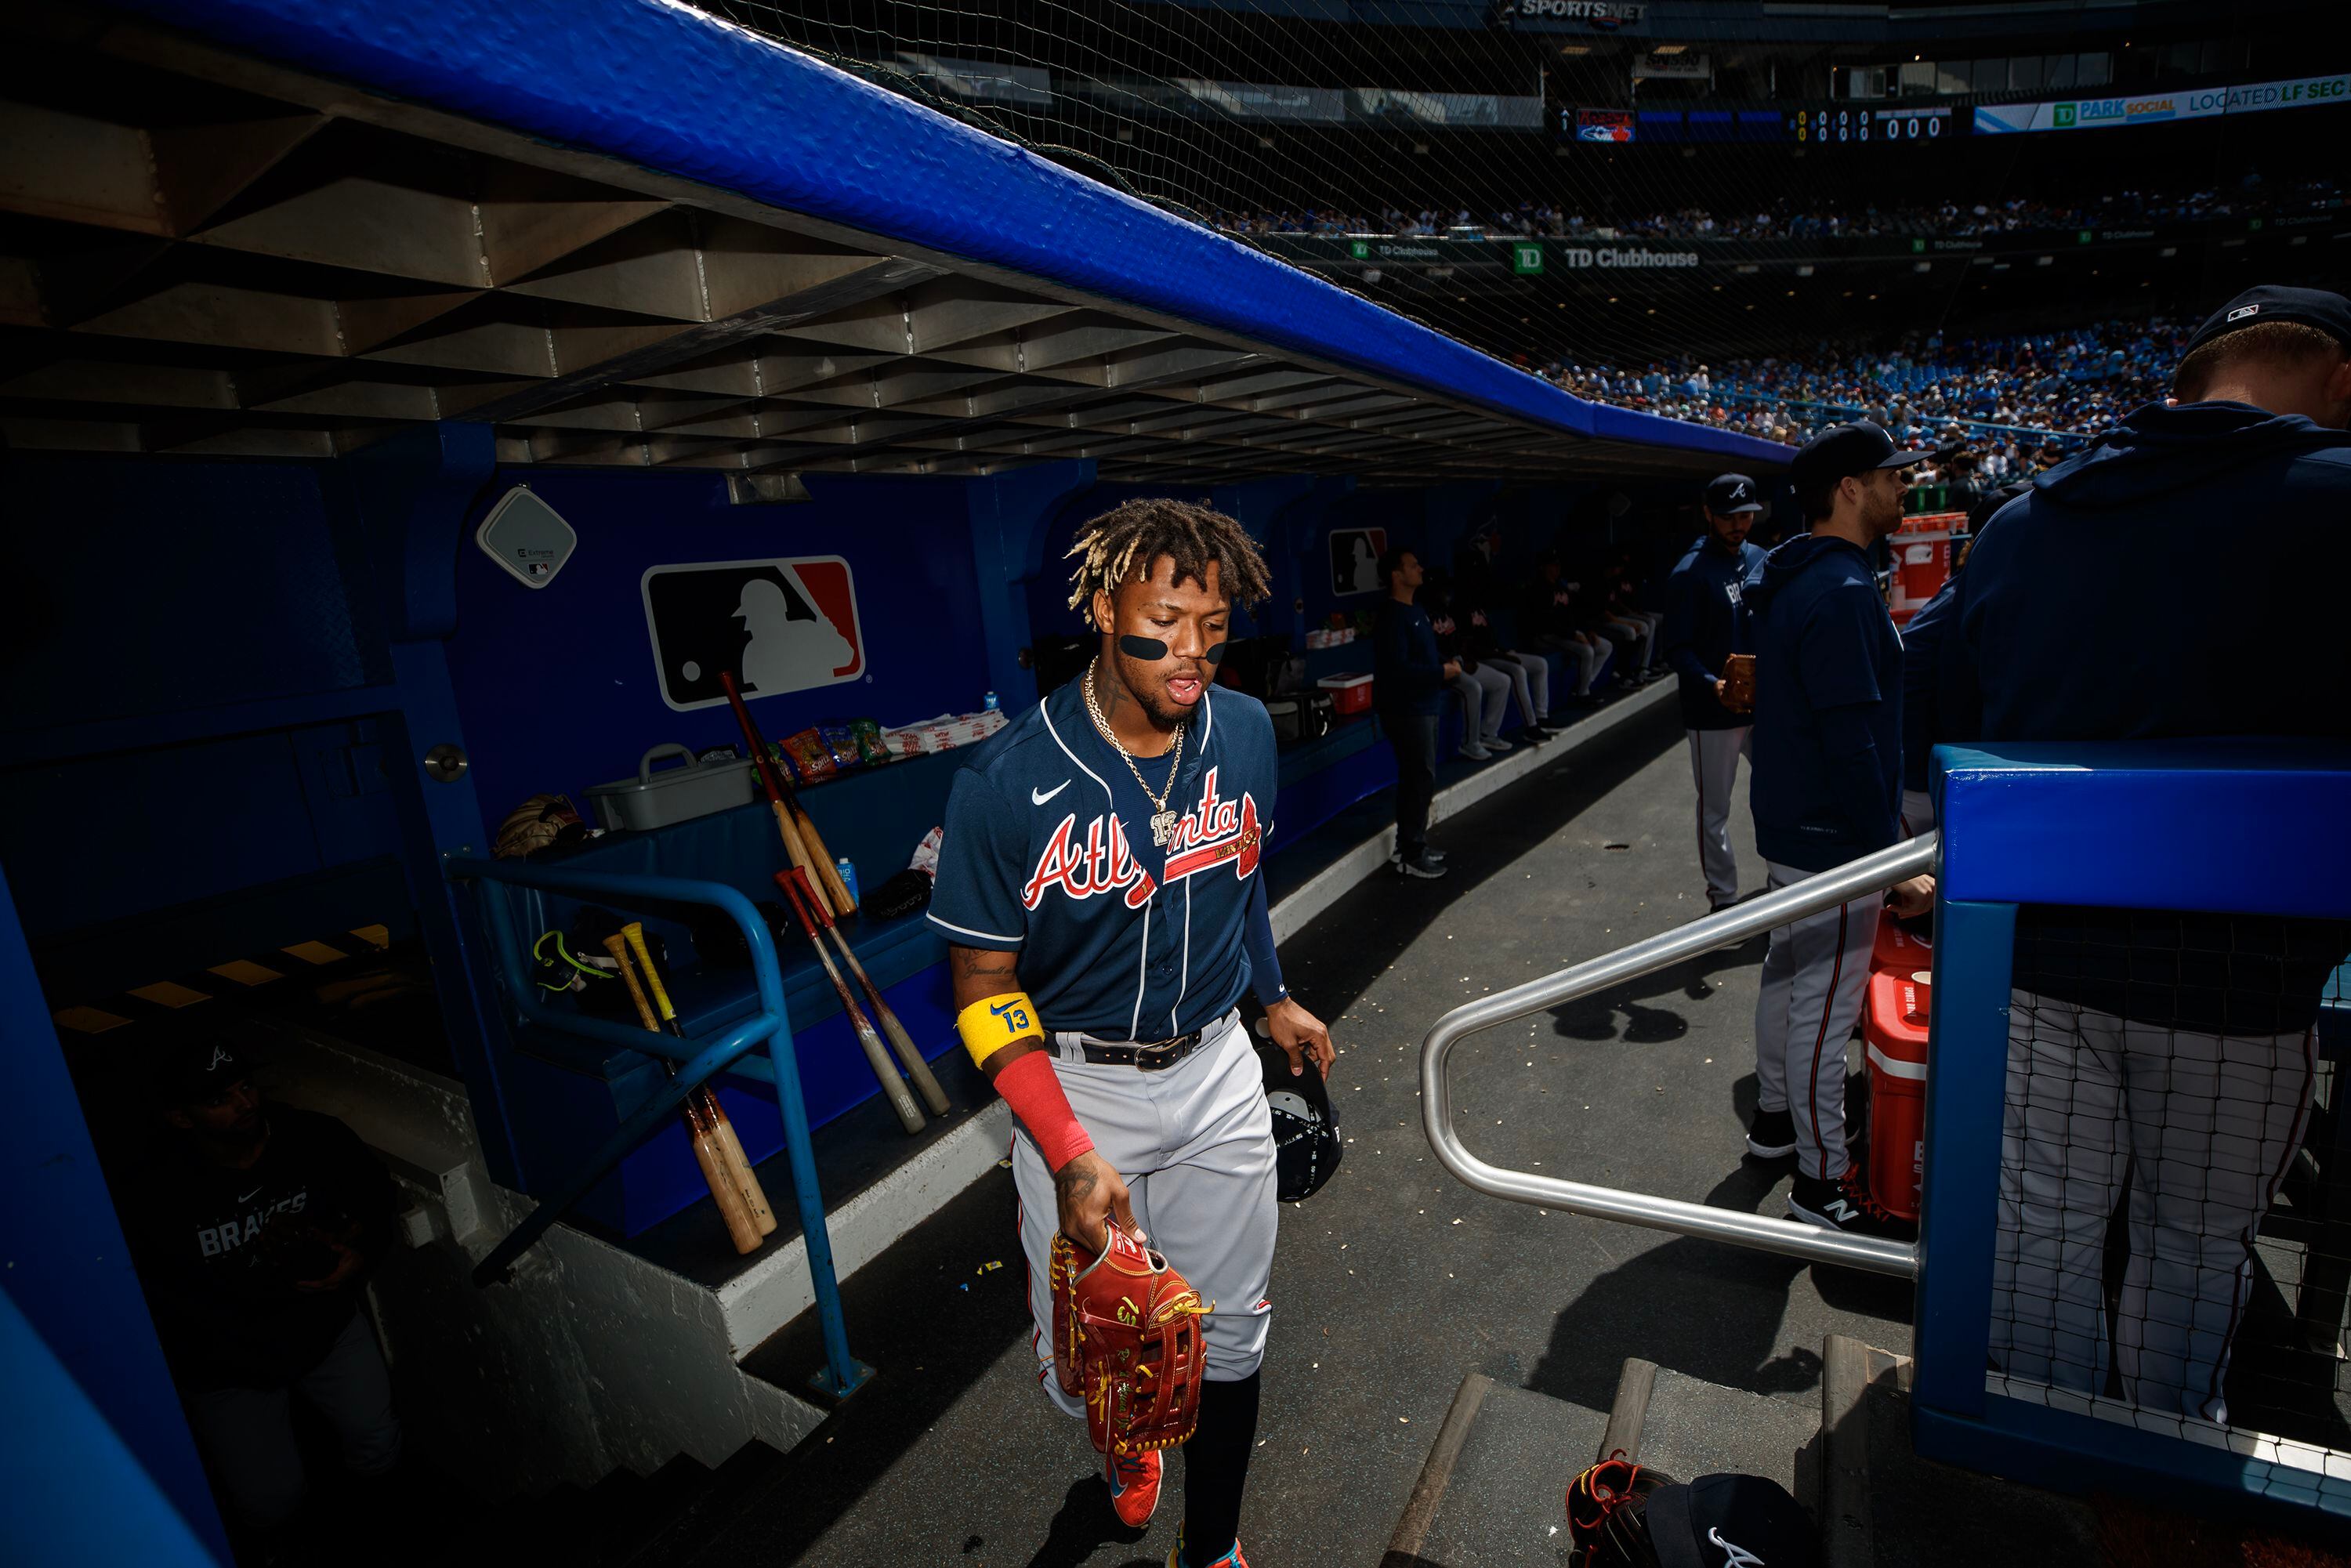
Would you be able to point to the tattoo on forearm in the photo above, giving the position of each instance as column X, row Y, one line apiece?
column 979, row 962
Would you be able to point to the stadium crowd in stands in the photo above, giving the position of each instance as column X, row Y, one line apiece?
column 2007, row 398
column 1952, row 218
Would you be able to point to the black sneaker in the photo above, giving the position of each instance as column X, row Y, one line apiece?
column 1421, row 867
column 1844, row 1207
column 1771, row 1135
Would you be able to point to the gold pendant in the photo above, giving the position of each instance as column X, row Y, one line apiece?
column 1162, row 828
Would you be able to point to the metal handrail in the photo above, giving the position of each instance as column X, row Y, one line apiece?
column 702, row 1059
column 1870, row 874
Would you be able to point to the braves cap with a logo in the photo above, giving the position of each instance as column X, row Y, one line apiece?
column 1732, row 493
column 1730, row 1521
column 2330, row 313
column 200, row 1069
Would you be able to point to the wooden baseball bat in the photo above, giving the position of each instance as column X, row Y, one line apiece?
column 786, row 827
column 706, row 1104
column 708, row 1152
column 879, row 1058
column 884, row 1014
column 802, row 844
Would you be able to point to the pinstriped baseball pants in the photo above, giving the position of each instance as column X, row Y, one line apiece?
column 1816, row 977
column 2201, row 1127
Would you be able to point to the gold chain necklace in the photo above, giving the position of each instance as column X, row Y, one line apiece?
column 1163, row 820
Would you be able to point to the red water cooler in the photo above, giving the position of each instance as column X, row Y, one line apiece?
column 1894, row 1027
column 1898, row 952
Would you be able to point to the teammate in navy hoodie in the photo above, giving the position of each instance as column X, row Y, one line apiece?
column 1706, row 622
column 2168, row 1051
column 1827, row 779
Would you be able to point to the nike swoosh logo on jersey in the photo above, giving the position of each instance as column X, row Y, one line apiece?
column 1039, row 797
column 249, row 1197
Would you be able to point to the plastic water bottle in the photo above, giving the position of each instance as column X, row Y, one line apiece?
column 989, row 702
column 848, row 871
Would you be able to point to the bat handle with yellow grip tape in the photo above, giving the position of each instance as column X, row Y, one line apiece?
column 618, row 946
column 705, row 1104
column 711, row 1152
column 635, row 933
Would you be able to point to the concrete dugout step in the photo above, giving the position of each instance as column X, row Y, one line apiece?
column 1885, row 1507
column 1494, row 1488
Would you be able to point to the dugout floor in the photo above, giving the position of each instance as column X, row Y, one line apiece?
column 1395, row 1280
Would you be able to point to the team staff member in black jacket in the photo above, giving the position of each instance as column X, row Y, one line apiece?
column 1408, row 680
column 1706, row 622
column 254, row 1230
column 2170, row 1053
column 1828, row 776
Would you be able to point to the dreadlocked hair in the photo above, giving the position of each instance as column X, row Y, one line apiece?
column 1122, row 543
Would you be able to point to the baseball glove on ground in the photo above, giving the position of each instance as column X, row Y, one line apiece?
column 1126, row 1338
column 1607, row 1514
column 1739, row 683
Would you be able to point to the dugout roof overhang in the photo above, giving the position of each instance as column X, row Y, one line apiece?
column 628, row 235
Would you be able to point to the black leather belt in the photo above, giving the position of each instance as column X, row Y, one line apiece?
column 1144, row 1056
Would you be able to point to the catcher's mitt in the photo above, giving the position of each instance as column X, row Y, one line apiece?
column 1739, row 683
column 1607, row 1514
column 1126, row 1337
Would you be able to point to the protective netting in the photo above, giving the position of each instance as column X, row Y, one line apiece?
column 1358, row 140
column 2174, row 1231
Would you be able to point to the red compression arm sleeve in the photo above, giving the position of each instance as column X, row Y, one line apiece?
column 1033, row 1091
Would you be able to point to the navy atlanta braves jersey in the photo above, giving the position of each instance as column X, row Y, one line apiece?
column 1048, row 852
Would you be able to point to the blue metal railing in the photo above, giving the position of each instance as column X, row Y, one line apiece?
column 701, row 1058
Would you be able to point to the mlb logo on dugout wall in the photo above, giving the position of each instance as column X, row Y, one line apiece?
column 787, row 624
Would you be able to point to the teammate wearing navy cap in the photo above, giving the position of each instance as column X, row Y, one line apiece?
column 1099, row 886
column 1826, row 786
column 1706, row 622
column 2162, row 1062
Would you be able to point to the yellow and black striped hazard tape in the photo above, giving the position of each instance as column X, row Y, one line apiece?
column 234, row 977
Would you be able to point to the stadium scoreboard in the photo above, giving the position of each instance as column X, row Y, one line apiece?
column 1830, row 125
column 1858, row 126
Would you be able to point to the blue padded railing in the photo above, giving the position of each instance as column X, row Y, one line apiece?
column 701, row 1059
column 2239, row 827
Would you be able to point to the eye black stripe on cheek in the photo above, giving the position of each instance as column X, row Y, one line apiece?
column 1148, row 648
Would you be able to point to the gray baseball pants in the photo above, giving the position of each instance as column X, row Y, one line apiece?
column 1195, row 1144
column 1485, row 692
column 1530, row 677
column 248, row 1434
column 1815, row 978
column 1714, row 768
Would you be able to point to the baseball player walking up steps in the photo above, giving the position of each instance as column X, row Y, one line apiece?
column 1099, row 886
column 1825, row 788
column 2161, row 1063
column 1706, row 622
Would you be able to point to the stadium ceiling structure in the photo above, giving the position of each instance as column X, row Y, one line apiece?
column 208, row 252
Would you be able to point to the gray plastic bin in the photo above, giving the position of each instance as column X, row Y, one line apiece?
column 656, row 800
